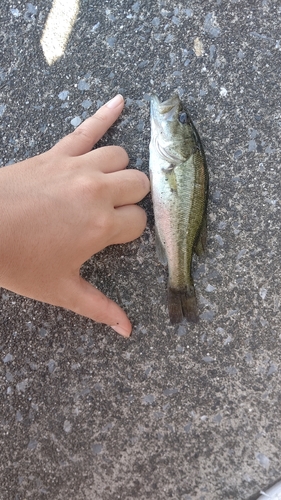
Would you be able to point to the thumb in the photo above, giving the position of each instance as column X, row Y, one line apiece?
column 90, row 302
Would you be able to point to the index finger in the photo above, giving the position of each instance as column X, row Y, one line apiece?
column 83, row 139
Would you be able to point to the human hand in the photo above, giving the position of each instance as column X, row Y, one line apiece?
column 61, row 207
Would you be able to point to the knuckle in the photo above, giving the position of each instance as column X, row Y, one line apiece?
column 100, row 117
column 85, row 188
column 104, row 227
column 92, row 194
column 82, row 133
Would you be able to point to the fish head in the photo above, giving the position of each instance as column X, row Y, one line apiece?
column 171, row 130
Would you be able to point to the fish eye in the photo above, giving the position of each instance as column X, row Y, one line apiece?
column 183, row 118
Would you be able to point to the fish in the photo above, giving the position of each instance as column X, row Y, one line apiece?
column 179, row 187
column 273, row 493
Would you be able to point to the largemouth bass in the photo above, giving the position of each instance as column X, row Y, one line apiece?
column 179, row 186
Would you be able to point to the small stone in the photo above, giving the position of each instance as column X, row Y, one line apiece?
column 180, row 349
column 32, row 9
column 32, row 445
column 252, row 145
column 107, row 427
column 170, row 392
column 238, row 154
column 219, row 240
column 9, row 376
column 252, row 133
column 216, row 195
column 63, row 95
column 217, row 418
column 43, row 332
column 67, row 426
column 169, row 38
column 208, row 359
column 111, row 40
column 198, row 47
column 220, row 331
column 181, row 330
column 176, row 20
column 241, row 253
column 19, row 417
column 76, row 121
column 263, row 460
column 263, row 292
column 30, row 13
column 248, row 358
column 155, row 22
column 51, row 365
column 231, row 370
column 187, row 427
column 136, row 7
column 272, row 369
column 207, row 315
column 21, row 386
column 228, row 340
column 15, row 12
column 87, row 103
column 83, row 85
column 96, row 448
column 212, row 52
column 158, row 415
column 2, row 109
column 95, row 27
column 210, row 25
column 149, row 399
column 9, row 357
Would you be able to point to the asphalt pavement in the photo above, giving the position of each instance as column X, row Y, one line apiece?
column 190, row 412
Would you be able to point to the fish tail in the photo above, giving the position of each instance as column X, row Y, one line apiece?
column 182, row 303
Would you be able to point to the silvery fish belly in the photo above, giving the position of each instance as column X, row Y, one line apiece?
column 179, row 184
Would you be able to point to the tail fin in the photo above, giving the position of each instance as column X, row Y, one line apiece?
column 182, row 303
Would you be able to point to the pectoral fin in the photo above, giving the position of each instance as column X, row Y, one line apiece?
column 160, row 250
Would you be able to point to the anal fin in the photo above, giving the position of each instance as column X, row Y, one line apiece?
column 201, row 243
column 160, row 250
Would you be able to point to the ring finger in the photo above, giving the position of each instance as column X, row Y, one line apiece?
column 127, row 187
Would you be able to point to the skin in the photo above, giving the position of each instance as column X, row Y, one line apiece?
column 63, row 206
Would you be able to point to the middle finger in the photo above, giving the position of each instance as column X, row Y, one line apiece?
column 127, row 186
column 106, row 159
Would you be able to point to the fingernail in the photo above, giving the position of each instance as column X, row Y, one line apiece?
column 121, row 330
column 113, row 103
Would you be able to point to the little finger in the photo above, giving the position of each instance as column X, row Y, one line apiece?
column 129, row 224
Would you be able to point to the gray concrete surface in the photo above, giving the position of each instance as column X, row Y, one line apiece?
column 187, row 412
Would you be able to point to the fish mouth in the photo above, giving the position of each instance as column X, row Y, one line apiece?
column 166, row 110
column 164, row 138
